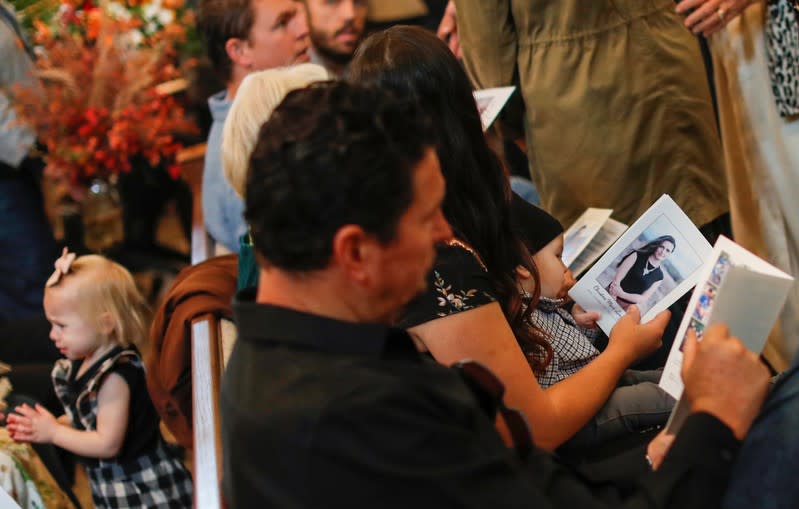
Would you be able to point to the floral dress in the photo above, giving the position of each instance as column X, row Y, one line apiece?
column 458, row 282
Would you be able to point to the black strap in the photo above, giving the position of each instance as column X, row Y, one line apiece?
column 11, row 20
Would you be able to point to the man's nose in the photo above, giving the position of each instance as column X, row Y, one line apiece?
column 347, row 10
column 300, row 24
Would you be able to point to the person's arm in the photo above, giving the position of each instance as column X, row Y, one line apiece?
column 621, row 272
column 725, row 385
column 638, row 298
column 650, row 291
column 555, row 414
column 718, row 357
column 40, row 426
column 710, row 16
column 440, row 452
column 694, row 475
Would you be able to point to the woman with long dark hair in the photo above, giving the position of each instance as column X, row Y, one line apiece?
column 472, row 309
column 639, row 273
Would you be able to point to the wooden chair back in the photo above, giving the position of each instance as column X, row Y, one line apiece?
column 192, row 160
column 206, row 374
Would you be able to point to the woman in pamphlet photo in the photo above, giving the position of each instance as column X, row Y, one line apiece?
column 639, row 274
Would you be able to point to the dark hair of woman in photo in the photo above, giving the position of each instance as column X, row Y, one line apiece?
column 413, row 62
column 473, row 307
column 650, row 247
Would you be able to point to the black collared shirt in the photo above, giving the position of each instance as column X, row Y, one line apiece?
column 321, row 413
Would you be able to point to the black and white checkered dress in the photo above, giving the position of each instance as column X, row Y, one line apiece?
column 154, row 478
column 572, row 345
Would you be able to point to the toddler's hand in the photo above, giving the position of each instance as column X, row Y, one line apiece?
column 585, row 318
column 28, row 424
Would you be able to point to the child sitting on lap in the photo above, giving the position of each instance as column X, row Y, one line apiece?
column 97, row 316
column 637, row 403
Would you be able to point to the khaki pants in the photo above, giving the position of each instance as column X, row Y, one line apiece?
column 617, row 102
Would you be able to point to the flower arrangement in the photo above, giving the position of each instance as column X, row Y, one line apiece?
column 98, row 106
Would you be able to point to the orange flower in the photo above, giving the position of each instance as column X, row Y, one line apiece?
column 97, row 109
column 42, row 32
column 94, row 19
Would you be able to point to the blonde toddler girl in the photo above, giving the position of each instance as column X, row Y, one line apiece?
column 97, row 317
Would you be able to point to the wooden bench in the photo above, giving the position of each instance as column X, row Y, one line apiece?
column 206, row 374
column 191, row 160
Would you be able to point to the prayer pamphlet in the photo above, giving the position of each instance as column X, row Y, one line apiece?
column 735, row 288
column 651, row 265
column 590, row 236
column 490, row 102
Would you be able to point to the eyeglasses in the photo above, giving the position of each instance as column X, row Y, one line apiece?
column 489, row 391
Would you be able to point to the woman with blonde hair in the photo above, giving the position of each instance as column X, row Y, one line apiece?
column 256, row 99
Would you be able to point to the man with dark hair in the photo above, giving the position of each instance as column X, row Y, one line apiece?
column 241, row 36
column 337, row 27
column 324, row 405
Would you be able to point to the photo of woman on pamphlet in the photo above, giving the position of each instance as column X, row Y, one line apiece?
column 655, row 262
column 639, row 275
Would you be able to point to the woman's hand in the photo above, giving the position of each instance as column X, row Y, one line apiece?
column 615, row 290
column 33, row 425
column 658, row 448
column 710, row 16
column 635, row 340
column 585, row 318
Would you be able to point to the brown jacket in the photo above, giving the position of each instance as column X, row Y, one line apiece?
column 207, row 287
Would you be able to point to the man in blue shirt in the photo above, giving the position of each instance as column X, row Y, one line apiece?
column 241, row 36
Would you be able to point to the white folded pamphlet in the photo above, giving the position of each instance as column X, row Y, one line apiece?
column 738, row 289
column 490, row 102
column 590, row 236
column 651, row 265
column 7, row 502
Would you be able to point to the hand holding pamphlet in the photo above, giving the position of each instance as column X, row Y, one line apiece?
column 651, row 265
column 737, row 289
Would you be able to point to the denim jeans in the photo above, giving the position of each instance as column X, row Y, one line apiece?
column 26, row 243
column 526, row 189
column 765, row 473
column 635, row 405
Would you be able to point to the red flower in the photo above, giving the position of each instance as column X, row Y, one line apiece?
column 97, row 110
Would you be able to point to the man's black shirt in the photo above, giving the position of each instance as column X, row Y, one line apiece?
column 322, row 413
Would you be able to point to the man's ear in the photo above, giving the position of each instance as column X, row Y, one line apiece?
column 352, row 250
column 238, row 52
